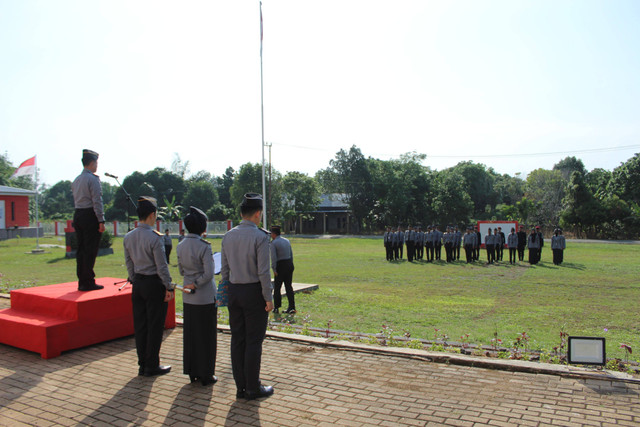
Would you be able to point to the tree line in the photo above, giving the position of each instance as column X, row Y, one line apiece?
column 592, row 204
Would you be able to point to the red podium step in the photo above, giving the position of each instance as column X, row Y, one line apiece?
column 55, row 318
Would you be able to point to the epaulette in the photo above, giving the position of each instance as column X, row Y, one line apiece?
column 205, row 241
column 158, row 233
column 267, row 232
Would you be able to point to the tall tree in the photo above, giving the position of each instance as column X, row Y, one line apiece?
column 452, row 204
column 625, row 180
column 546, row 188
column 355, row 181
column 56, row 202
column 478, row 183
column 301, row 195
column 249, row 180
column 223, row 184
column 201, row 194
column 568, row 165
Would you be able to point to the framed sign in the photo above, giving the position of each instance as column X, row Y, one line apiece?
column 587, row 350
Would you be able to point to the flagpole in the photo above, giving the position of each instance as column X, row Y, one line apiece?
column 264, row 188
column 37, row 228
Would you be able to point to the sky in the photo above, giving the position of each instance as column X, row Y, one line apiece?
column 515, row 85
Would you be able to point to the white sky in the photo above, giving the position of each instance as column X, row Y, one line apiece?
column 456, row 80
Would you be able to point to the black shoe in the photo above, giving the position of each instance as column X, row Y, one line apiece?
column 239, row 394
column 160, row 370
column 93, row 287
column 263, row 391
column 211, row 380
column 291, row 311
column 141, row 371
column 193, row 378
column 276, row 310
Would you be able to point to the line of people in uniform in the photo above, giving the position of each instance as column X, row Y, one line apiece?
column 430, row 242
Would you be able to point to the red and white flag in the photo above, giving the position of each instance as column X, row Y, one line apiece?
column 28, row 167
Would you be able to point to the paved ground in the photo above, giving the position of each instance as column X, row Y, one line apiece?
column 314, row 386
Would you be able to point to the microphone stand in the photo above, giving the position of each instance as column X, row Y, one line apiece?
column 128, row 205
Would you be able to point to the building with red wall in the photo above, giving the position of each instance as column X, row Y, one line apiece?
column 14, row 207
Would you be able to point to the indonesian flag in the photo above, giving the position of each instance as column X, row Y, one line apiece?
column 28, row 167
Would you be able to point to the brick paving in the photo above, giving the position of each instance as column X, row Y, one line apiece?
column 315, row 386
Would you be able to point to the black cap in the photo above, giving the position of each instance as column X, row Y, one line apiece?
column 146, row 206
column 196, row 221
column 89, row 155
column 252, row 200
column 275, row 229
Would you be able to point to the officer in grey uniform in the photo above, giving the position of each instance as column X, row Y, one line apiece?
column 200, row 332
column 437, row 242
column 400, row 239
column 469, row 243
column 88, row 220
column 512, row 243
column 151, row 286
column 387, row 241
column 282, row 266
column 245, row 264
column 458, row 243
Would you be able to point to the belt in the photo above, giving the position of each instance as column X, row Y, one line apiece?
column 84, row 209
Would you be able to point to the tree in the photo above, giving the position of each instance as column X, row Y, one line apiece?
column 249, row 180
column 582, row 211
column 171, row 211
column 223, row 185
column 301, row 195
column 201, row 194
column 7, row 169
column 57, row 202
column 509, row 190
column 597, row 180
column 354, row 179
column 478, row 184
column 452, row 204
column 546, row 188
column 179, row 167
column 625, row 180
column 568, row 165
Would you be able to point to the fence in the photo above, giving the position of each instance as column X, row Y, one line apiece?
column 119, row 228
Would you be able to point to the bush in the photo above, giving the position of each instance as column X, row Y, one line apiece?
column 106, row 240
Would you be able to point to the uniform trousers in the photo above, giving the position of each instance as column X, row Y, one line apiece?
column 284, row 268
column 557, row 256
column 248, row 323
column 499, row 251
column 448, row 251
column 167, row 251
column 149, row 313
column 468, row 251
column 438, row 250
column 512, row 255
column 396, row 251
column 401, row 246
column 491, row 253
column 520, row 253
column 457, row 254
column 533, row 255
column 86, row 225
column 410, row 251
column 199, row 337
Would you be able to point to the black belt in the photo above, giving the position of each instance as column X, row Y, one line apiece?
column 243, row 284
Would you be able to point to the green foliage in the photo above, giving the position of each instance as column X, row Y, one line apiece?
column 546, row 189
column 201, row 194
column 56, row 202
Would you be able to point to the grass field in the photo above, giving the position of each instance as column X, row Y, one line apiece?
column 594, row 293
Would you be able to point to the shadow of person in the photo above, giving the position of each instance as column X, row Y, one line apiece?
column 243, row 412
column 135, row 394
column 192, row 402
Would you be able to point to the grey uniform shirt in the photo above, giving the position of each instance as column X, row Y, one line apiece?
column 195, row 262
column 144, row 254
column 167, row 240
column 280, row 250
column 87, row 193
column 245, row 257
column 469, row 239
column 512, row 240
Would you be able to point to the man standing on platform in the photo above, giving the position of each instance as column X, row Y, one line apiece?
column 88, row 220
column 151, row 287
column 282, row 265
column 245, row 265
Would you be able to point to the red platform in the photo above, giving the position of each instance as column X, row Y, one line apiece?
column 54, row 318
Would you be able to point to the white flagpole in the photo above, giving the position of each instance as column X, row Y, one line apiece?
column 37, row 228
column 264, row 188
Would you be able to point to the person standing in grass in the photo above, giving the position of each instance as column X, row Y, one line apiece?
column 522, row 243
column 533, row 244
column 489, row 246
column 168, row 245
column 558, row 245
column 469, row 241
column 512, row 243
column 282, row 265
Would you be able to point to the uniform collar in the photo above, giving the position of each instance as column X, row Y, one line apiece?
column 247, row 223
column 193, row 236
column 144, row 225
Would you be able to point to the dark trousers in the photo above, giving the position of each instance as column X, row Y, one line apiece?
column 410, row 251
column 438, row 250
column 457, row 253
column 401, row 246
column 248, row 323
column 167, row 251
column 533, row 255
column 520, row 253
column 468, row 251
column 557, row 256
column 491, row 253
column 199, row 337
column 499, row 251
column 448, row 251
column 86, row 225
column 389, row 251
column 396, row 249
column 149, row 313
column 284, row 268
column 476, row 253
column 429, row 251
column 512, row 255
